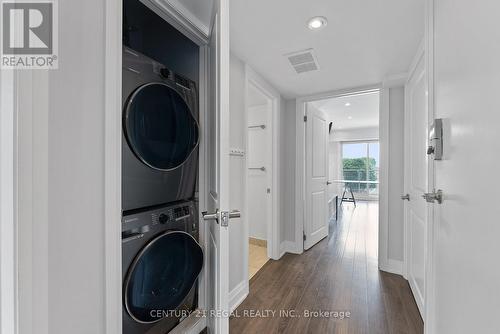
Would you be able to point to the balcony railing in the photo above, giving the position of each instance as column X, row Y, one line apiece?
column 358, row 182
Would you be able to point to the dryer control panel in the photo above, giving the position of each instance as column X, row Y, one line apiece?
column 181, row 216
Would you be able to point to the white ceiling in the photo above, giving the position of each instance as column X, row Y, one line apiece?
column 364, row 40
column 363, row 111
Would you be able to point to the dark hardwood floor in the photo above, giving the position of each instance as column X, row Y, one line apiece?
column 339, row 274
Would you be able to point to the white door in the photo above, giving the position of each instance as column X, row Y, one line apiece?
column 416, row 180
column 465, row 294
column 316, row 222
column 217, row 141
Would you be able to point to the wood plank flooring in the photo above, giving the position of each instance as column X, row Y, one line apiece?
column 338, row 275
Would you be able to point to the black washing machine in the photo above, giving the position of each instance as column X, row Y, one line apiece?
column 160, row 134
column 161, row 264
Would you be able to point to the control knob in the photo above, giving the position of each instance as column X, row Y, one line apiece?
column 163, row 218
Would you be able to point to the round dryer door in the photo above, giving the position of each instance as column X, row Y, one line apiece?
column 162, row 275
column 159, row 126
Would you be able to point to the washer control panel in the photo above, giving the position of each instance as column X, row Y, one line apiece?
column 171, row 215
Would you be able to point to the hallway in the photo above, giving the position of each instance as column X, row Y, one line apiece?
column 339, row 274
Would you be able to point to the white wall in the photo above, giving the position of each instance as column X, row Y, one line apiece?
column 371, row 133
column 61, row 173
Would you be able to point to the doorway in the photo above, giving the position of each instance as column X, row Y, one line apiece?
column 261, row 174
column 341, row 159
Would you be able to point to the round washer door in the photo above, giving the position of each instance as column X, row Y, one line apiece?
column 159, row 126
column 162, row 275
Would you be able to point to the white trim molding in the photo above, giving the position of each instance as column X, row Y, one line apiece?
column 112, row 166
column 397, row 80
column 430, row 316
column 287, row 246
column 392, row 266
column 383, row 220
column 195, row 323
column 181, row 19
column 238, row 295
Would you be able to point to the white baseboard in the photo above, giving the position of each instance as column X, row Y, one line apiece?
column 238, row 295
column 392, row 266
column 288, row 247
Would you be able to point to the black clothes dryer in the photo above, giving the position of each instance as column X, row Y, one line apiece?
column 160, row 134
column 161, row 264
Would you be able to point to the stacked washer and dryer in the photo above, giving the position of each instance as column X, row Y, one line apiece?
column 160, row 252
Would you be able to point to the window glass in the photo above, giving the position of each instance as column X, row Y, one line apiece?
column 360, row 164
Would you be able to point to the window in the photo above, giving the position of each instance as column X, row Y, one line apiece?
column 360, row 166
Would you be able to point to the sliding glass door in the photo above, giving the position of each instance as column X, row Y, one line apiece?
column 360, row 168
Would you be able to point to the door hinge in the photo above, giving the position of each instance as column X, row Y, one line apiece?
column 305, row 118
column 304, row 237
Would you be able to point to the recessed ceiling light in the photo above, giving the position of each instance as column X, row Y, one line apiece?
column 348, row 104
column 350, row 117
column 317, row 23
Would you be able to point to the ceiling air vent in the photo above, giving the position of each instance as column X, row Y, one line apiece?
column 303, row 61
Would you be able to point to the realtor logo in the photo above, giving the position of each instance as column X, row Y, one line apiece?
column 29, row 34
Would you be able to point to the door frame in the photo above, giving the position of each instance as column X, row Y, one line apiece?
column 113, row 104
column 300, row 149
column 273, row 227
column 432, row 219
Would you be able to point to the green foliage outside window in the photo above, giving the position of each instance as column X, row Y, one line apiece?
column 360, row 169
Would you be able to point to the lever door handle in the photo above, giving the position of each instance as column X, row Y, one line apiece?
column 328, row 183
column 211, row 216
column 435, row 196
column 405, row 197
column 234, row 214
column 221, row 217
